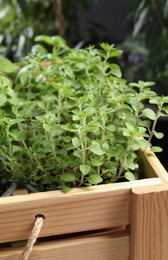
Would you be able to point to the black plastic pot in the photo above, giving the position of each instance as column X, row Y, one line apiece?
column 12, row 187
column 30, row 188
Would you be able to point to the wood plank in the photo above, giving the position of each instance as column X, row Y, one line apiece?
column 84, row 209
column 149, row 223
column 152, row 166
column 99, row 247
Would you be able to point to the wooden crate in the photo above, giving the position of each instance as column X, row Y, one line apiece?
column 115, row 221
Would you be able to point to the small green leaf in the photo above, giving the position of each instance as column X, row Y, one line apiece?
column 149, row 113
column 143, row 144
column 24, row 77
column 155, row 100
column 85, row 169
column 129, row 176
column 165, row 99
column 135, row 146
column 68, row 127
column 149, row 83
column 76, row 118
column 105, row 146
column 78, row 154
column 3, row 100
column 68, row 177
column 6, row 65
column 64, row 188
column 96, row 162
column 158, row 135
column 94, row 179
column 95, row 148
column 156, row 149
column 38, row 48
column 165, row 109
column 127, row 132
column 130, row 126
column 76, row 142
column 16, row 148
column 115, row 70
column 111, row 128
column 17, row 135
column 51, row 40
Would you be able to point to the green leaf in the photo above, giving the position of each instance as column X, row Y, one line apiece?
column 165, row 99
column 51, row 40
column 149, row 83
column 76, row 142
column 156, row 149
column 155, row 100
column 3, row 99
column 165, row 108
column 16, row 148
column 6, row 65
column 149, row 113
column 94, row 179
column 135, row 146
column 129, row 176
column 85, row 169
column 44, row 38
column 130, row 126
column 96, row 162
column 111, row 128
column 78, row 154
column 158, row 135
column 105, row 146
column 126, row 132
column 115, row 53
column 143, row 144
column 66, row 189
column 95, row 148
column 76, row 118
column 24, row 75
column 68, row 177
column 115, row 70
column 17, row 135
column 68, row 127
column 38, row 48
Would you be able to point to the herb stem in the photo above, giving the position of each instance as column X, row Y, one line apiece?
column 122, row 162
column 154, row 124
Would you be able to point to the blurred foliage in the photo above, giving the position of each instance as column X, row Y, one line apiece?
column 147, row 48
column 22, row 20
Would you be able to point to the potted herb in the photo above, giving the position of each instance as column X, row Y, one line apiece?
column 68, row 120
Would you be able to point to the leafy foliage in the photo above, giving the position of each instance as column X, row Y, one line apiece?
column 71, row 120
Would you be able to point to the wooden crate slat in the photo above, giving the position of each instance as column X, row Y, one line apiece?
column 105, row 247
column 149, row 223
column 152, row 166
column 77, row 211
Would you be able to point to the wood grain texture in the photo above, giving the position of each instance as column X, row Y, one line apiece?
column 84, row 209
column 99, row 247
column 149, row 223
column 99, row 207
column 152, row 166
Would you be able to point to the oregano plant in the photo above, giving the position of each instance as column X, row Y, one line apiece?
column 68, row 118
